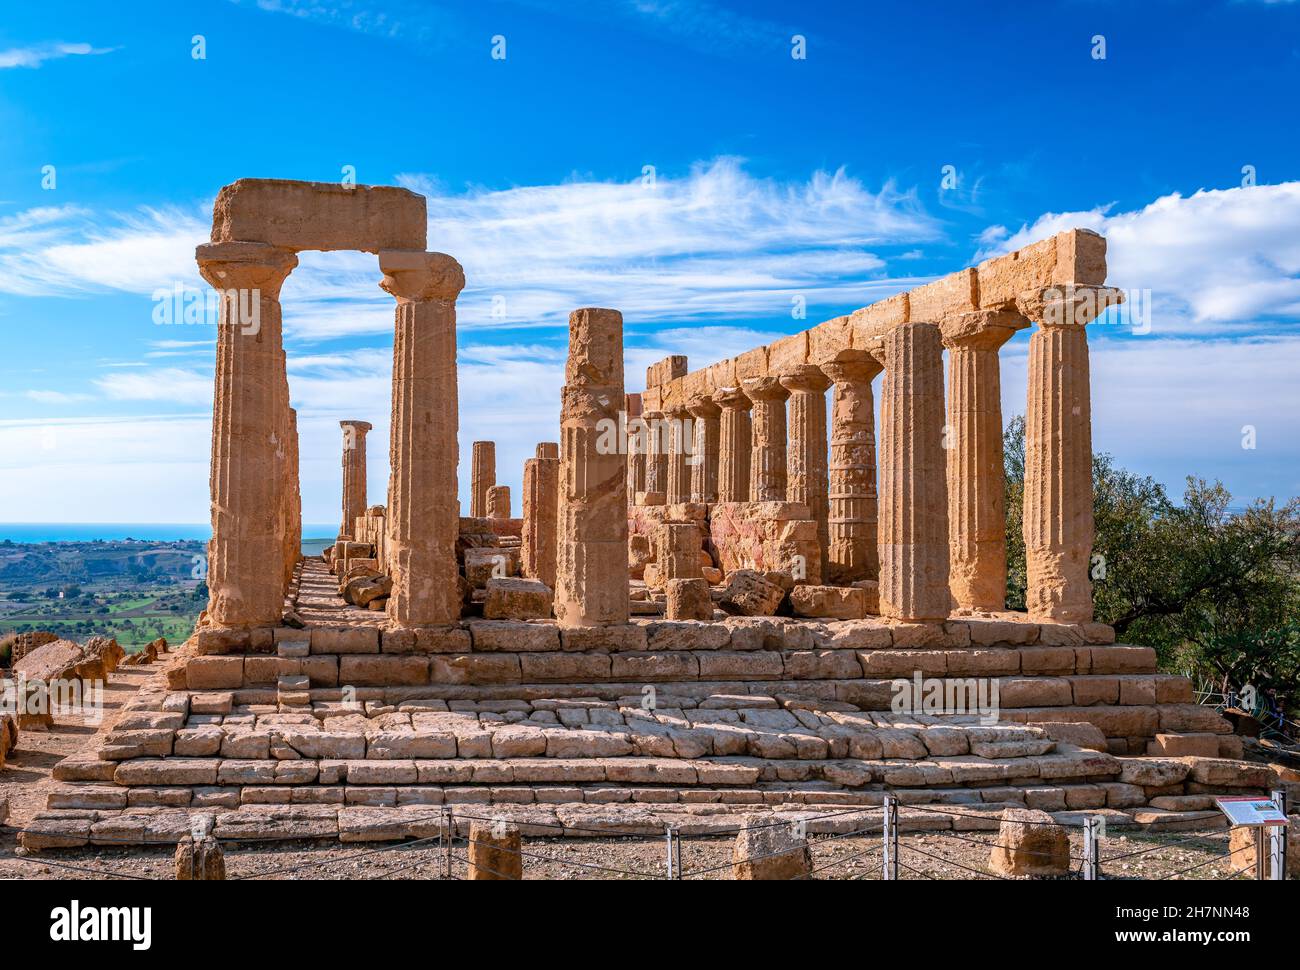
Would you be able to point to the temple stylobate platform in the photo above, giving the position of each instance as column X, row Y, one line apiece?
column 721, row 597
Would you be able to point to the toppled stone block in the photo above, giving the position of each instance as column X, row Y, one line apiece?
column 749, row 593
column 495, row 850
column 364, row 590
column 688, row 599
column 765, row 849
column 829, row 602
column 1030, row 843
column 490, row 562
column 517, row 599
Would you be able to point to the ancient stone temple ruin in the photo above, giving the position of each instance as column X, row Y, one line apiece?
column 725, row 593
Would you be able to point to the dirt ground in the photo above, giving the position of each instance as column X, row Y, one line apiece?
column 951, row 855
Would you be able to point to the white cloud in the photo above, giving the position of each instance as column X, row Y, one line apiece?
column 714, row 244
column 1216, row 261
column 38, row 54
column 42, row 396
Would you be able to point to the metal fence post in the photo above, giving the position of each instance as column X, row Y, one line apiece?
column 448, row 824
column 1277, row 840
column 1092, row 847
column 668, row 845
column 890, row 836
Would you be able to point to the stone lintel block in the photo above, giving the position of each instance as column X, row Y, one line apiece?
column 829, row 339
column 870, row 322
column 320, row 215
column 786, row 353
column 952, row 294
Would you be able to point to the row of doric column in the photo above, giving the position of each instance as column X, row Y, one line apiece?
column 933, row 533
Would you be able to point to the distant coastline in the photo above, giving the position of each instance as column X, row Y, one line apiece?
column 34, row 532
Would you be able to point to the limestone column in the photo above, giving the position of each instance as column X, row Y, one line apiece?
column 354, row 475
column 679, row 471
column 913, row 492
column 852, row 519
column 656, row 451
column 498, row 502
column 705, row 454
column 977, row 524
column 548, row 449
column 591, row 581
column 295, row 497
column 422, row 519
column 1058, row 520
column 287, row 557
column 482, row 476
column 806, row 481
column 636, row 470
column 245, row 558
column 541, row 510
column 767, row 462
column 734, row 444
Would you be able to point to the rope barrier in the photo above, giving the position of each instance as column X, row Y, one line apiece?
column 949, row 862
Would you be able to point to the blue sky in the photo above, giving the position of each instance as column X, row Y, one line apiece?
column 770, row 178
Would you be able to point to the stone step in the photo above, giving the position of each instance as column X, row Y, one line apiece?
column 719, row 725
column 845, row 772
column 256, row 823
column 362, row 635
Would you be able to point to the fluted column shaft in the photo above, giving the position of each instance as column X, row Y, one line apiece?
column 913, row 492
column 482, row 476
column 655, row 441
column 852, row 520
column 734, row 444
column 679, row 447
column 293, row 541
column 705, row 453
column 636, row 459
column 246, row 555
column 541, row 511
column 977, row 525
column 354, row 475
column 767, row 462
column 806, row 473
column 591, row 581
column 422, row 517
column 1058, row 520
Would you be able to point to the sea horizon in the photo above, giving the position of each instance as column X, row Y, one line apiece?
column 37, row 532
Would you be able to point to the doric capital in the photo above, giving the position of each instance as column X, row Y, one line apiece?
column 357, row 427
column 805, row 377
column 702, row 406
column 732, row 398
column 1067, row 304
column 678, row 411
column 764, row 389
column 415, row 277
column 851, row 367
column 981, row 329
column 245, row 265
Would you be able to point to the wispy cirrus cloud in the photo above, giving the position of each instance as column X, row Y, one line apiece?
column 713, row 244
column 36, row 55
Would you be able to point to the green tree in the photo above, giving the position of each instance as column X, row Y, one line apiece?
column 1215, row 591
